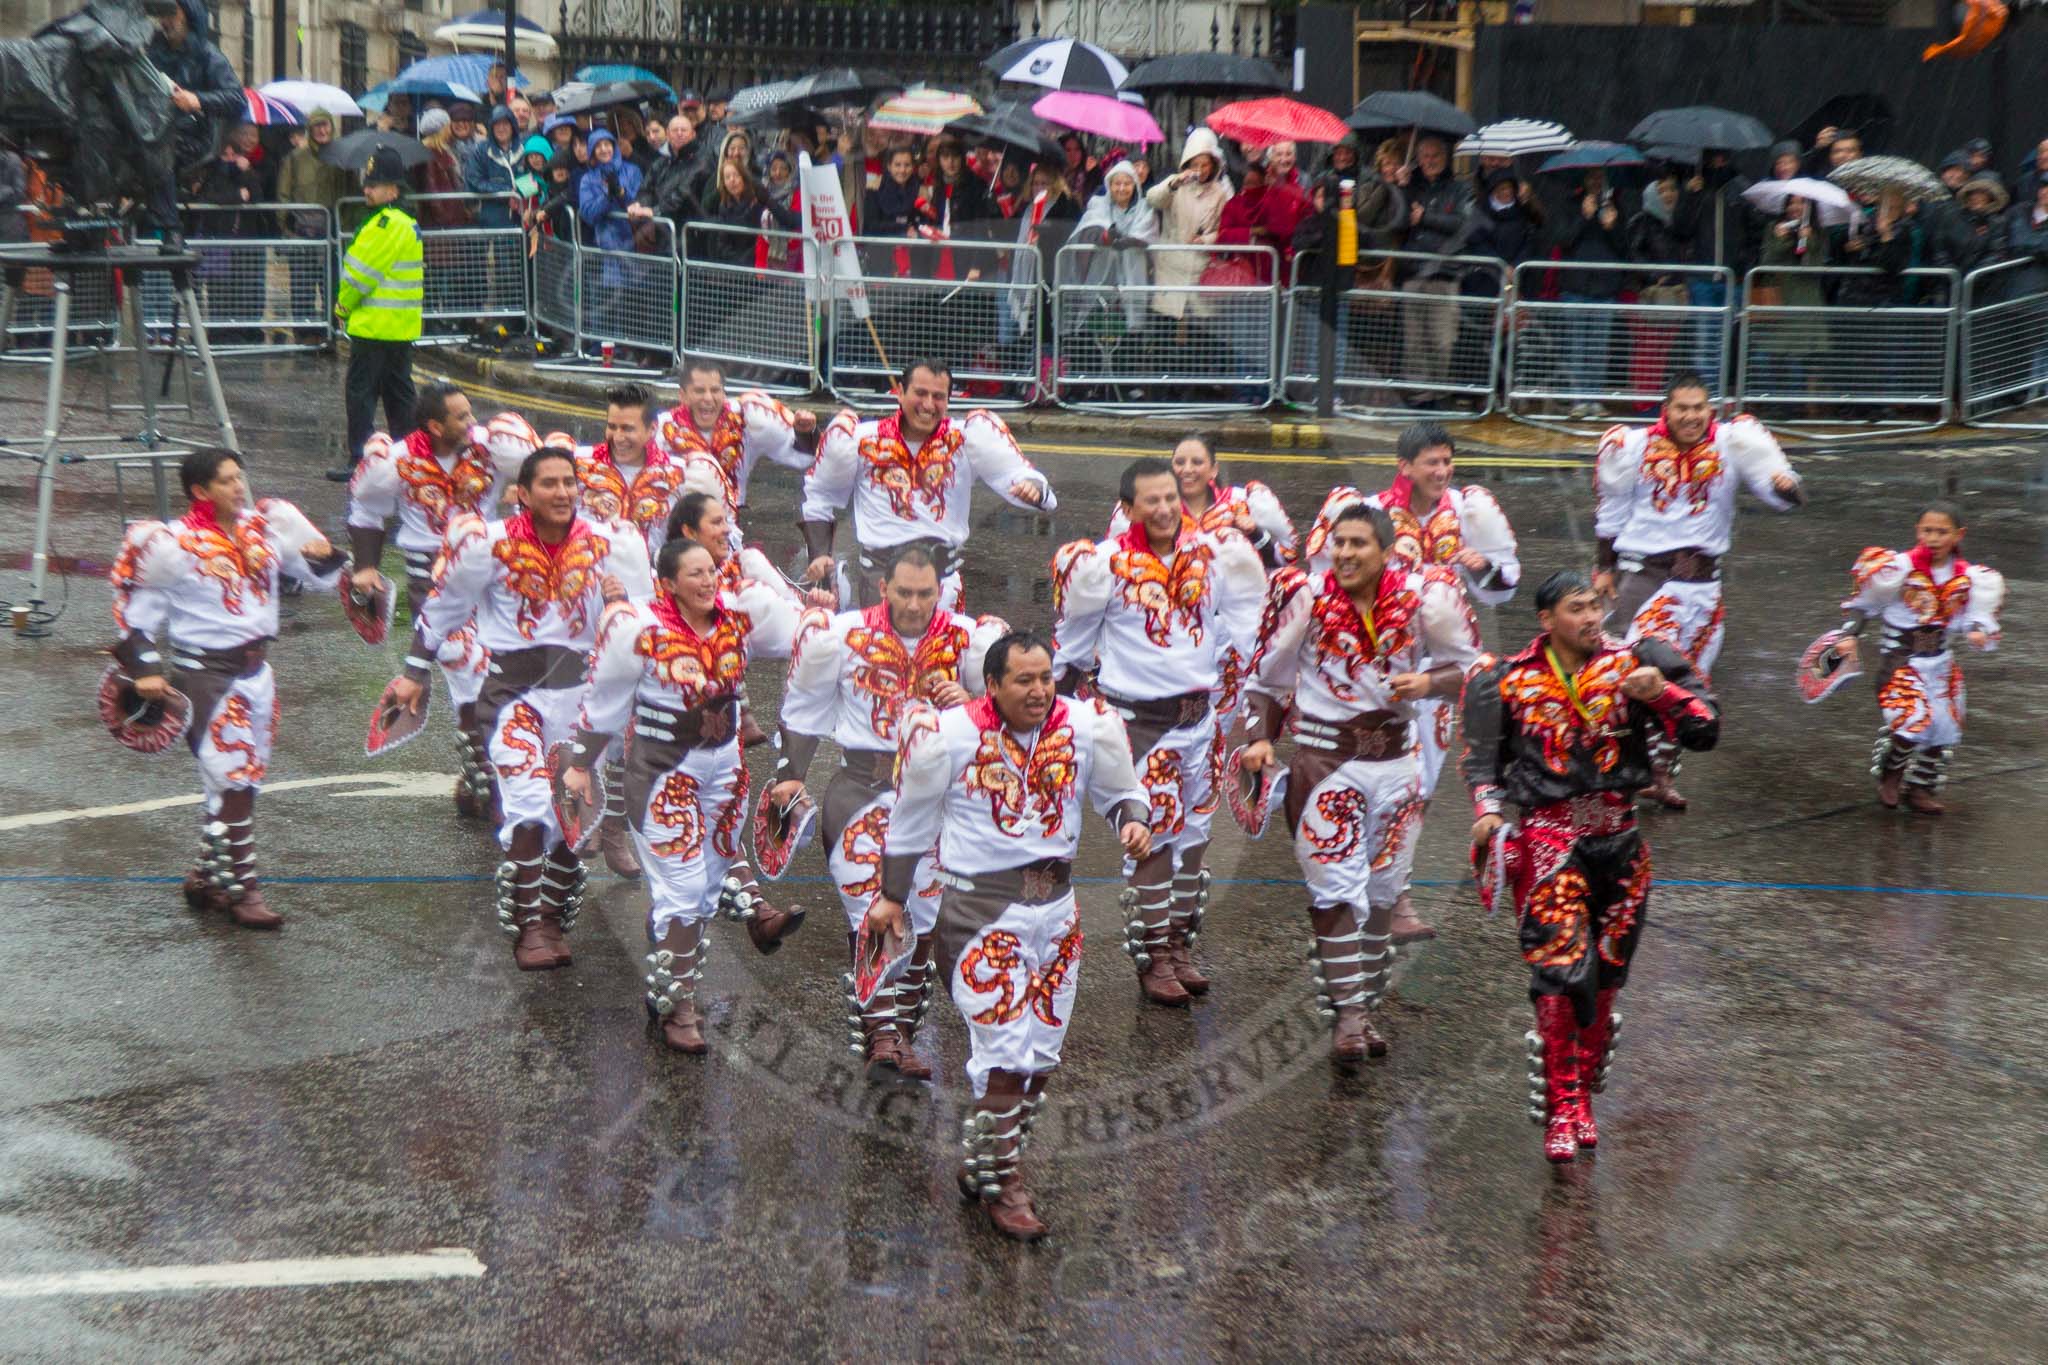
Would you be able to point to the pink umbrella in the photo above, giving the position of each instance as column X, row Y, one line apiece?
column 1104, row 115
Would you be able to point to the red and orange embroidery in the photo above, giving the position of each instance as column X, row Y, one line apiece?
column 861, row 845
column 1343, row 810
column 1394, row 834
column 565, row 580
column 439, row 493
column 1168, row 597
column 234, row 715
column 523, row 734
column 699, row 667
column 1560, row 905
column 889, row 675
column 1023, row 787
column 905, row 477
column 999, row 952
column 1537, row 699
column 1621, row 917
column 675, row 810
column 1675, row 474
column 1162, row 785
column 240, row 560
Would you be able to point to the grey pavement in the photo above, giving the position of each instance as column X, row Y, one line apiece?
column 1822, row 1140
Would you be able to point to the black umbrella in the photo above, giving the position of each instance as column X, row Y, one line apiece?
column 838, row 85
column 1205, row 73
column 353, row 153
column 580, row 97
column 1867, row 115
column 1702, row 126
column 1416, row 109
column 1012, row 126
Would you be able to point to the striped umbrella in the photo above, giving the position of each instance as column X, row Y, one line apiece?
column 1518, row 137
column 1873, row 175
column 267, row 110
column 922, row 111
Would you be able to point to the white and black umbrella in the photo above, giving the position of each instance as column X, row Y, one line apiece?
column 1873, row 175
column 1059, row 64
column 1518, row 137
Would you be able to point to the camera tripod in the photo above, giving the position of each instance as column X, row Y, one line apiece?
column 127, row 265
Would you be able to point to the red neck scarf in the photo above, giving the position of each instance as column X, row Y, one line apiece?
column 667, row 611
column 1922, row 560
column 890, row 428
column 519, row 526
column 652, row 456
column 202, row 516
column 877, row 618
column 1664, row 431
column 1137, row 540
column 982, row 711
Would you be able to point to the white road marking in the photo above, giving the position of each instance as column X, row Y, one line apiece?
column 440, row 1263
column 370, row 784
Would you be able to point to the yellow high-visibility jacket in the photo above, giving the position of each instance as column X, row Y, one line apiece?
column 382, row 285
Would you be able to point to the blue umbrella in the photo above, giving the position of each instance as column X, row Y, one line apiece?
column 621, row 71
column 1588, row 155
column 375, row 98
column 462, row 76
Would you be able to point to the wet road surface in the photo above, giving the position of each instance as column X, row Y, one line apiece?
column 1823, row 1134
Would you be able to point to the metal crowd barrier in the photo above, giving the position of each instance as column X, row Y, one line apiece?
column 958, row 301
column 1892, row 364
column 1414, row 334
column 1592, row 352
column 761, row 324
column 2005, row 343
column 264, row 270
column 474, row 273
column 630, row 298
column 1178, row 346
column 557, row 288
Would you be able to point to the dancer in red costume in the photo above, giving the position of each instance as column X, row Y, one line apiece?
column 1562, row 730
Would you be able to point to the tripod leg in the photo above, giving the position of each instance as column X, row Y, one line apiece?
column 131, row 306
column 199, row 343
column 53, row 421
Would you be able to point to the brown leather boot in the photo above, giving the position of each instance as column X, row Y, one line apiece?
column 1407, row 926
column 674, row 968
column 1664, row 794
column 767, row 925
column 1888, row 785
column 1924, row 769
column 1350, row 967
column 473, row 783
column 1147, row 903
column 1923, row 801
column 908, row 998
column 561, row 900
column 240, row 894
column 1665, row 760
column 993, row 1136
column 519, row 900
column 614, row 838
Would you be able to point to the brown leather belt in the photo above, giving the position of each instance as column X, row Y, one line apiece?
column 700, row 727
column 1169, row 713
column 545, row 666
column 870, row 767
column 1373, row 736
column 1034, row 883
column 236, row 661
column 1924, row 641
column 1679, row 566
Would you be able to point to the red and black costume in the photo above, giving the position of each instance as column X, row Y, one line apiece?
column 1571, row 751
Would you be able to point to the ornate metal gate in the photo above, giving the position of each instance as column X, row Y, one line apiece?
column 718, row 47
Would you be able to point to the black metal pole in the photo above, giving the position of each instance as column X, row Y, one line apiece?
column 511, row 47
column 1326, row 348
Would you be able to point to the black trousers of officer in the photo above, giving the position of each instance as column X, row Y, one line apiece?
column 378, row 370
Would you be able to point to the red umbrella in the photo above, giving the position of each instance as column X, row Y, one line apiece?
column 1263, row 122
